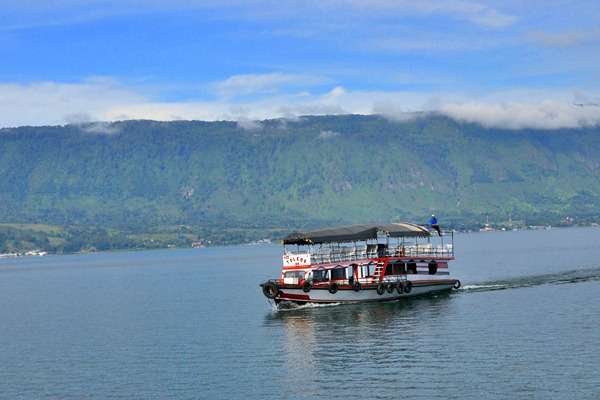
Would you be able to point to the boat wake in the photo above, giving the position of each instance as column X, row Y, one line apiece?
column 288, row 306
column 560, row 278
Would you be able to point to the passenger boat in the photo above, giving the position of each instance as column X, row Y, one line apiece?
column 362, row 263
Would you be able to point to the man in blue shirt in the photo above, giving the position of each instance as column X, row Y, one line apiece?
column 434, row 224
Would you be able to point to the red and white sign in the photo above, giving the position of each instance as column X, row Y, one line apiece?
column 296, row 260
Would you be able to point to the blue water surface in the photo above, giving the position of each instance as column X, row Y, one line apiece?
column 193, row 324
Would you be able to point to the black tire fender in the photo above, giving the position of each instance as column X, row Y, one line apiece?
column 306, row 287
column 270, row 290
column 356, row 287
column 456, row 284
column 389, row 287
column 400, row 288
column 333, row 288
column 408, row 287
column 433, row 267
column 380, row 289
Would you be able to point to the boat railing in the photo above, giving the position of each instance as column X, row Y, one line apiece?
column 354, row 254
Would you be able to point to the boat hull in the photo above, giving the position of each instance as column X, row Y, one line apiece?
column 322, row 295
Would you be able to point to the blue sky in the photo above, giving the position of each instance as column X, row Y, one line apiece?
column 512, row 64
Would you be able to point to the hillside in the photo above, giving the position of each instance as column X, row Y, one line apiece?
column 218, row 180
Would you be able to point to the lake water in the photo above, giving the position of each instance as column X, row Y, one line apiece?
column 193, row 324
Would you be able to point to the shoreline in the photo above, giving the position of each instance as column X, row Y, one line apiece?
column 262, row 242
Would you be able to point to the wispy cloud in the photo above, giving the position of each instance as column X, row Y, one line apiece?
column 565, row 38
column 549, row 114
column 472, row 11
column 326, row 135
column 23, row 15
column 475, row 12
column 250, row 84
column 47, row 102
column 90, row 103
column 430, row 43
column 249, row 124
column 86, row 124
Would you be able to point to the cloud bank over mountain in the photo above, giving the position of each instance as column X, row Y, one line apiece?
column 504, row 64
column 256, row 97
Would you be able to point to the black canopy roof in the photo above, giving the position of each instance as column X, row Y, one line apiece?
column 352, row 233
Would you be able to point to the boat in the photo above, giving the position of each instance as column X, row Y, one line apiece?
column 362, row 263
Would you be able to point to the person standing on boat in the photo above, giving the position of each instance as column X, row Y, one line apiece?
column 434, row 224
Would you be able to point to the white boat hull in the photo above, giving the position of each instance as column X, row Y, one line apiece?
column 322, row 295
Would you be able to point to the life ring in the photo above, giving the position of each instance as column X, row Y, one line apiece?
column 306, row 287
column 356, row 287
column 270, row 290
column 408, row 287
column 333, row 288
column 389, row 287
column 456, row 284
column 400, row 288
column 380, row 289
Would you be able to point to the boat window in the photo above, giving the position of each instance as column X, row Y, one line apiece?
column 350, row 272
column 338, row 273
column 399, row 268
column 294, row 274
column 365, row 270
column 389, row 269
column 411, row 267
column 319, row 275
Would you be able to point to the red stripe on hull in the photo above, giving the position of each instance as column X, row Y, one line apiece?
column 291, row 296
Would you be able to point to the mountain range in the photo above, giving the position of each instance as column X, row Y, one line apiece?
column 233, row 181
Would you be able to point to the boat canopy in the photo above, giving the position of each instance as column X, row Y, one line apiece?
column 351, row 233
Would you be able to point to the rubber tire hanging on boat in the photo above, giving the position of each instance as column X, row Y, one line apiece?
column 380, row 289
column 356, row 287
column 389, row 287
column 306, row 287
column 270, row 290
column 456, row 284
column 408, row 287
column 400, row 288
column 333, row 288
column 433, row 267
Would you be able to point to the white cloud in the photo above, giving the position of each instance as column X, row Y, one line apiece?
column 475, row 12
column 103, row 99
column 249, row 124
column 247, row 84
column 326, row 135
column 29, row 14
column 41, row 103
column 429, row 42
column 565, row 38
column 549, row 114
column 86, row 124
column 491, row 18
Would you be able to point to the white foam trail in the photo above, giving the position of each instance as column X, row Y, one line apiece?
column 477, row 287
column 558, row 278
column 294, row 307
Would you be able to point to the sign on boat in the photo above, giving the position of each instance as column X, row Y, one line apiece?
column 362, row 263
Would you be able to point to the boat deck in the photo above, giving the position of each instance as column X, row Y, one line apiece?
column 366, row 254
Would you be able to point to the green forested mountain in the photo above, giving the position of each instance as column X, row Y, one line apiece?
column 146, row 176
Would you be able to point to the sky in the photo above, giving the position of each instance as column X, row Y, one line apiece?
column 509, row 64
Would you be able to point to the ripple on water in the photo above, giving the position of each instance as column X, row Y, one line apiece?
column 193, row 324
